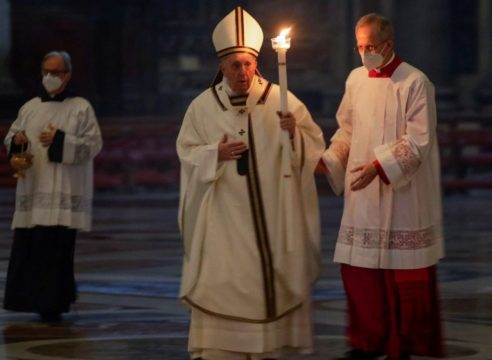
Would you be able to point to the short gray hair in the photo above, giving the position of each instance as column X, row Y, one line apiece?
column 383, row 25
column 67, row 60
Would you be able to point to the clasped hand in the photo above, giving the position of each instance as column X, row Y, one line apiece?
column 366, row 174
column 230, row 150
column 46, row 137
column 20, row 138
column 233, row 150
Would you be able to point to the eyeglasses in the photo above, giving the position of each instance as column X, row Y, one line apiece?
column 53, row 72
column 367, row 48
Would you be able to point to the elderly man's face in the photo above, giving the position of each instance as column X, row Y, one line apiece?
column 369, row 40
column 56, row 67
column 239, row 70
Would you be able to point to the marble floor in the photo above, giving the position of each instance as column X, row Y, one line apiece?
column 128, row 270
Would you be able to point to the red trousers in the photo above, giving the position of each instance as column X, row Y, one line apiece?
column 393, row 311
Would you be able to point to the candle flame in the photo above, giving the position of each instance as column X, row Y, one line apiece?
column 282, row 41
column 283, row 34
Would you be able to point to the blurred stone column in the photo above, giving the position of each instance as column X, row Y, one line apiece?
column 7, row 85
column 422, row 38
column 483, row 92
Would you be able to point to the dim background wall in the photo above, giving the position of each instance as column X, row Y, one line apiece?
column 151, row 57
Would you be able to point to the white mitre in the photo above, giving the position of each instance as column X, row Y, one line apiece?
column 237, row 32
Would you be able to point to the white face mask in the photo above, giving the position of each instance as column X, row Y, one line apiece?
column 51, row 83
column 372, row 61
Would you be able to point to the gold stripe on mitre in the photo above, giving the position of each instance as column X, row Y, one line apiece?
column 239, row 26
column 237, row 49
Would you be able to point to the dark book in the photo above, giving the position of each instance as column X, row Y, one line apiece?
column 242, row 163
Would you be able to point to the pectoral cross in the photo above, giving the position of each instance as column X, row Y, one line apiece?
column 242, row 132
column 242, row 111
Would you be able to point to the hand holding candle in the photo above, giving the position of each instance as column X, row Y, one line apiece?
column 281, row 44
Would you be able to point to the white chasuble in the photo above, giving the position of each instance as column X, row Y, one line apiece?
column 251, row 241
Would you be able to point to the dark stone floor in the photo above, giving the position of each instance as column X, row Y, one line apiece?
column 128, row 271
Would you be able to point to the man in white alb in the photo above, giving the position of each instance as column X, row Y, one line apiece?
column 385, row 159
column 54, row 199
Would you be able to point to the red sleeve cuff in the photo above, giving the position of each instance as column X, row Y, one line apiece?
column 381, row 173
column 321, row 168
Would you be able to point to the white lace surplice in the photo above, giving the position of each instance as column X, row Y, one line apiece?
column 57, row 193
column 393, row 120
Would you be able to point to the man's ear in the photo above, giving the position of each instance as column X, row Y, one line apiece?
column 391, row 44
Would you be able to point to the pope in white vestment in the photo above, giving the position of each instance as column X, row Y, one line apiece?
column 250, row 231
column 54, row 198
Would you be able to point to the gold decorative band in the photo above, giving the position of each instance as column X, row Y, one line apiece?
column 237, row 49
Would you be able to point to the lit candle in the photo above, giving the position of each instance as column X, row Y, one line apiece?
column 281, row 44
